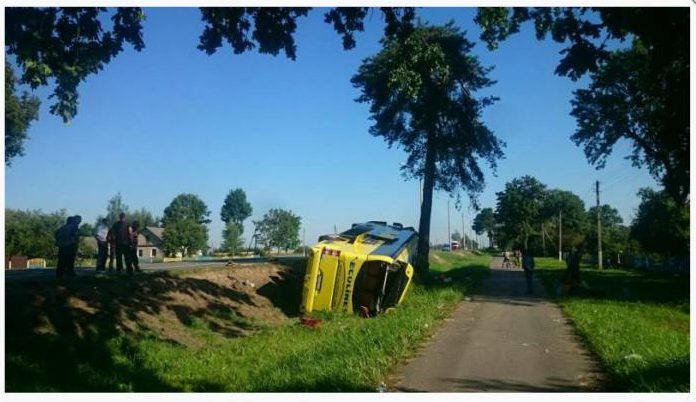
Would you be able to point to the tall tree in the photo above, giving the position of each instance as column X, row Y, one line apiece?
column 279, row 228
column 20, row 111
column 184, row 225
column 232, row 238
column 421, row 92
column 639, row 93
column 518, row 210
column 661, row 225
column 484, row 222
column 236, row 208
column 185, row 237
column 187, row 207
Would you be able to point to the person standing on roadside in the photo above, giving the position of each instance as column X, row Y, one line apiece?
column 65, row 240
column 111, row 240
column 123, row 251
column 134, row 245
column 102, row 244
column 75, row 232
column 528, row 266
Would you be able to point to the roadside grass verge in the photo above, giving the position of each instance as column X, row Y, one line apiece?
column 637, row 324
column 346, row 353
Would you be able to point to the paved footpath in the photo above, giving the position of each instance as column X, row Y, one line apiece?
column 502, row 340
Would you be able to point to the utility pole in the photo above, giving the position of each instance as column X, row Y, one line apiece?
column 599, row 229
column 543, row 240
column 463, row 245
column 335, row 231
column 449, row 234
column 560, row 237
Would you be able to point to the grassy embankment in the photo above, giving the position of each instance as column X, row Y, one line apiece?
column 637, row 323
column 346, row 353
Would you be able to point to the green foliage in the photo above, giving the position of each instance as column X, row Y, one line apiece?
column 184, row 225
column 65, row 45
column 517, row 211
column 236, row 208
column 187, row 207
column 623, row 101
column 484, row 222
column 20, row 111
column 636, row 323
column 639, row 94
column 272, row 29
column 661, row 225
column 347, row 353
column 114, row 207
column 232, row 238
column 279, row 228
column 421, row 88
column 573, row 217
column 615, row 236
column 144, row 218
column 31, row 233
column 184, row 236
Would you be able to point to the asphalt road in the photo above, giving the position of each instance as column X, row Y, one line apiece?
column 502, row 340
column 50, row 273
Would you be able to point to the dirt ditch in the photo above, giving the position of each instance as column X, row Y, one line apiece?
column 229, row 301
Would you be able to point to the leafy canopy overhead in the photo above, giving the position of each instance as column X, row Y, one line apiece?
column 661, row 225
column 66, row 45
column 639, row 93
column 20, row 111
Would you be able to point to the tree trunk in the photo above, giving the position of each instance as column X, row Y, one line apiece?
column 422, row 265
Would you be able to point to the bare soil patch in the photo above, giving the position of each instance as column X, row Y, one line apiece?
column 228, row 301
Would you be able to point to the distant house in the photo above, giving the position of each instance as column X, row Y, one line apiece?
column 150, row 243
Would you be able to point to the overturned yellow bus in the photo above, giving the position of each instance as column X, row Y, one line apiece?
column 366, row 269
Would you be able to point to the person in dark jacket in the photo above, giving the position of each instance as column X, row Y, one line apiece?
column 66, row 240
column 123, row 240
column 77, row 219
column 134, row 227
column 528, row 266
column 100, row 235
column 111, row 239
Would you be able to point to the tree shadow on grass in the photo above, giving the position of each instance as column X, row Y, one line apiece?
column 56, row 341
column 631, row 286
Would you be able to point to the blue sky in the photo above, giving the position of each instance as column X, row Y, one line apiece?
column 172, row 120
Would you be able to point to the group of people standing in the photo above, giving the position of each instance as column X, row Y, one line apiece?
column 524, row 259
column 119, row 242
column 116, row 242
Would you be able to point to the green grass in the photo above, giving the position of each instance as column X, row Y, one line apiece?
column 346, row 353
column 636, row 323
